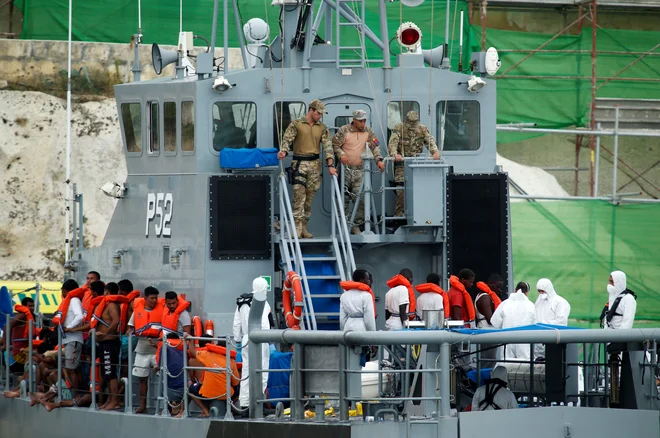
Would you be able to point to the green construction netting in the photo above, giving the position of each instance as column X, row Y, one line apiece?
column 566, row 102
column 576, row 244
column 536, row 90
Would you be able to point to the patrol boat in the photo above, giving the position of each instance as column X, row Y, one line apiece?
column 206, row 208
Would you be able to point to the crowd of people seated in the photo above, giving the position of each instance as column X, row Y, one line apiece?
column 108, row 313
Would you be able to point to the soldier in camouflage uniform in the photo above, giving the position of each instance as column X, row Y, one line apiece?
column 407, row 140
column 349, row 144
column 305, row 135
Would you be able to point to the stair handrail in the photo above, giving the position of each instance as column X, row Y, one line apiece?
column 340, row 219
column 286, row 214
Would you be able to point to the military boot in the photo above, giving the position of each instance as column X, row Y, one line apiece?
column 299, row 228
column 306, row 234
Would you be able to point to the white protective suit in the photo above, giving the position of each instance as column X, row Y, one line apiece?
column 625, row 312
column 356, row 311
column 259, row 285
column 550, row 309
column 516, row 311
column 503, row 398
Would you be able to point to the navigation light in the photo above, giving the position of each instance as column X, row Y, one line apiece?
column 409, row 36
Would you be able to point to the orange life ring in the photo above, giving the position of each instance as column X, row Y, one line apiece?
column 292, row 314
column 197, row 328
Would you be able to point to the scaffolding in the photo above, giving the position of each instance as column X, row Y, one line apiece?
column 601, row 110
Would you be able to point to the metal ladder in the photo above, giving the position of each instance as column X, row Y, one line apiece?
column 357, row 22
column 339, row 247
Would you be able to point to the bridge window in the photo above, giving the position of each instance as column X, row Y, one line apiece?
column 234, row 125
column 396, row 113
column 131, row 117
column 154, row 127
column 187, row 126
column 284, row 114
column 169, row 126
column 462, row 128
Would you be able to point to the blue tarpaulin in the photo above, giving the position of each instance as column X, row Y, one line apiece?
column 6, row 305
column 245, row 158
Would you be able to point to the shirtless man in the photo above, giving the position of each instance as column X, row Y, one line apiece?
column 109, row 344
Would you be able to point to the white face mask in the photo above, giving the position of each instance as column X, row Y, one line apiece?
column 543, row 296
column 611, row 289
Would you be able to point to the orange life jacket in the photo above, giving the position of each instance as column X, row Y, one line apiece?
column 60, row 315
column 400, row 280
column 28, row 317
column 101, row 302
column 148, row 323
column 469, row 305
column 434, row 288
column 88, row 309
column 124, row 309
column 348, row 285
column 483, row 287
column 218, row 349
column 170, row 320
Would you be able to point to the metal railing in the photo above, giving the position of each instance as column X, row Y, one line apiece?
column 342, row 246
column 291, row 249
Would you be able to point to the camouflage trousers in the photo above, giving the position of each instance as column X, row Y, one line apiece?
column 399, row 206
column 306, row 182
column 353, row 176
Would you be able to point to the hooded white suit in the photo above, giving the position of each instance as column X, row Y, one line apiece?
column 625, row 312
column 516, row 311
column 259, row 285
column 550, row 309
column 503, row 398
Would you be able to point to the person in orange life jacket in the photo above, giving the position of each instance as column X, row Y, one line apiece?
column 456, row 298
column 106, row 322
column 92, row 276
column 126, row 309
column 434, row 300
column 145, row 322
column 72, row 341
column 49, row 342
column 398, row 300
column 183, row 324
column 18, row 327
column 356, row 308
column 484, row 305
column 214, row 385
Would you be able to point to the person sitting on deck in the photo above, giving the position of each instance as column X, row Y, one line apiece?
column 494, row 394
column 214, row 382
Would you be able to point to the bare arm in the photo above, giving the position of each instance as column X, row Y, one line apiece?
column 485, row 307
column 403, row 313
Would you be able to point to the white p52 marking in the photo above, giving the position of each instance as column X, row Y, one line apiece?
column 161, row 205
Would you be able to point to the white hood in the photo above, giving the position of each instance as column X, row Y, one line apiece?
column 546, row 285
column 518, row 296
column 500, row 372
column 619, row 279
column 260, row 288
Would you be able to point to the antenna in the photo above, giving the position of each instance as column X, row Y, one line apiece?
column 137, row 39
column 460, row 52
column 181, row 16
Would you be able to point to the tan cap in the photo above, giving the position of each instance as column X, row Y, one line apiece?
column 318, row 105
column 359, row 115
column 412, row 116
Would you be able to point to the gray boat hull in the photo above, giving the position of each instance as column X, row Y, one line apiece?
column 18, row 420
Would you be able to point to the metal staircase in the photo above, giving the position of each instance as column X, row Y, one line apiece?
column 301, row 255
column 356, row 21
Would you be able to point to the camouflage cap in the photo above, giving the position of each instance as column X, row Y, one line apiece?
column 359, row 115
column 412, row 116
column 317, row 105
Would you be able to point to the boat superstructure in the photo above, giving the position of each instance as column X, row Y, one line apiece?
column 190, row 219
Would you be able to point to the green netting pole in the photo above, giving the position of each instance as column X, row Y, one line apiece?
column 592, row 243
column 613, row 236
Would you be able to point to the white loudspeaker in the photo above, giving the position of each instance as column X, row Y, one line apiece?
column 161, row 58
column 434, row 57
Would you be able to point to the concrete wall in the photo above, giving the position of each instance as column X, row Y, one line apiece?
column 23, row 58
